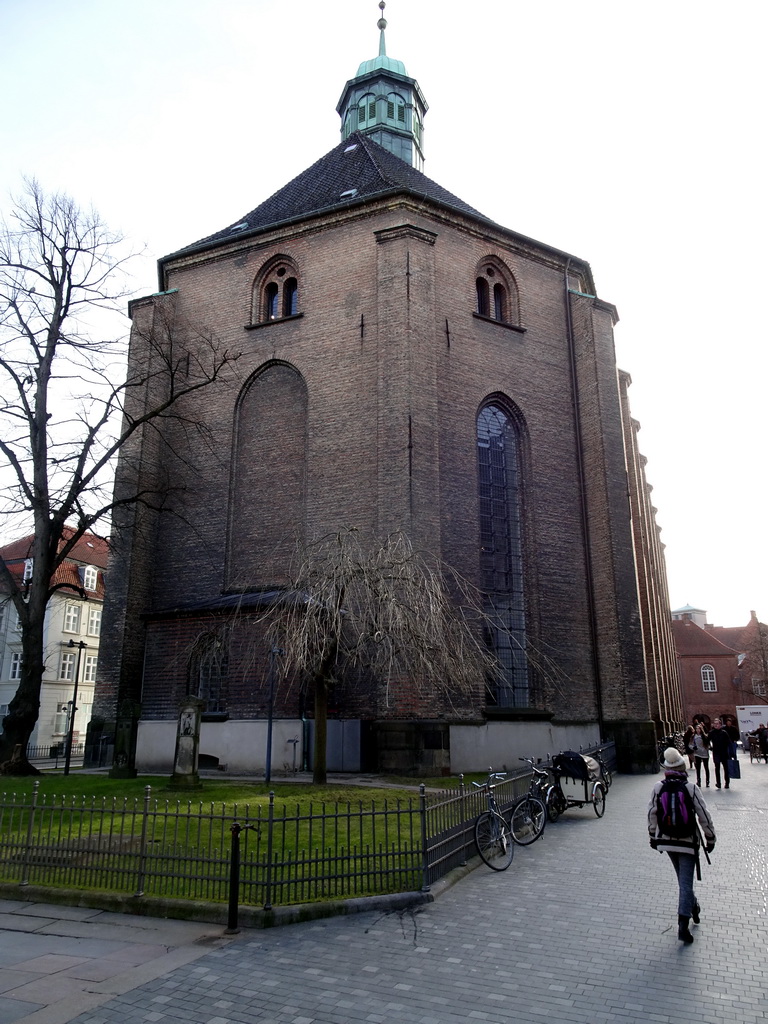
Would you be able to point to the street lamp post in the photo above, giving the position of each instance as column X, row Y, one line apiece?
column 81, row 645
column 273, row 652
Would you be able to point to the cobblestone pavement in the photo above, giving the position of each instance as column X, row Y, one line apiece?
column 581, row 928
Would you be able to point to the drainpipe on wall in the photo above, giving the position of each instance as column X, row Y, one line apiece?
column 592, row 615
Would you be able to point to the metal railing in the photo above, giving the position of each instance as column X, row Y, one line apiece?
column 54, row 751
column 264, row 855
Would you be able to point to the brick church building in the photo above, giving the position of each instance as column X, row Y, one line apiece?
column 407, row 364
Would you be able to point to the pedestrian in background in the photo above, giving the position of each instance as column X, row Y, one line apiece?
column 675, row 812
column 720, row 745
column 701, row 753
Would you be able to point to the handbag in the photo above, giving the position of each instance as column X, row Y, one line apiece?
column 734, row 768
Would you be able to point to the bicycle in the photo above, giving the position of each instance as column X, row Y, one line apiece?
column 573, row 766
column 605, row 771
column 493, row 834
column 529, row 816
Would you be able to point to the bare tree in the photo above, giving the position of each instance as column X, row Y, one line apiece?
column 380, row 612
column 68, row 405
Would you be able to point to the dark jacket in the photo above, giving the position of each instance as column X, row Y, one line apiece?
column 719, row 743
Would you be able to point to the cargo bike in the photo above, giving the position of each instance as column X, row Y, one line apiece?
column 578, row 780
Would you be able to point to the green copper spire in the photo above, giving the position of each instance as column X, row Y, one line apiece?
column 382, row 61
column 382, row 101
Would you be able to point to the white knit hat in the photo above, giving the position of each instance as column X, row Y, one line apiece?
column 673, row 759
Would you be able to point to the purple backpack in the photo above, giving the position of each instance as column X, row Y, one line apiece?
column 674, row 809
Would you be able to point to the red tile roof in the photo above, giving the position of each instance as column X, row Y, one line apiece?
column 89, row 550
column 692, row 640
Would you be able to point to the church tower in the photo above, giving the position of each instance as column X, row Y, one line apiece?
column 383, row 102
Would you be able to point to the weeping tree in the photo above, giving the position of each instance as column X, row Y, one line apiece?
column 70, row 402
column 380, row 613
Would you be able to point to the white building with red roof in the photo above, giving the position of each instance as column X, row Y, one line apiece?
column 72, row 632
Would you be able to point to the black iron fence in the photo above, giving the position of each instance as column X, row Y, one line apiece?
column 276, row 854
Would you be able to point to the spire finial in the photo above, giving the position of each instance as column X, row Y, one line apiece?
column 382, row 24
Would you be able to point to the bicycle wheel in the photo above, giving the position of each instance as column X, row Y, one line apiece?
column 598, row 799
column 607, row 777
column 554, row 807
column 494, row 840
column 528, row 820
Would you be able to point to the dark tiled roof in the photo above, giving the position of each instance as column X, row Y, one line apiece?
column 692, row 640
column 356, row 169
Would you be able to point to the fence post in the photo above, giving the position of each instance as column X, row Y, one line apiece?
column 143, row 846
column 270, row 827
column 30, row 829
column 424, row 858
column 463, row 806
column 234, row 878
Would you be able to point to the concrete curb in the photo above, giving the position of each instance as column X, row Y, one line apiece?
column 217, row 913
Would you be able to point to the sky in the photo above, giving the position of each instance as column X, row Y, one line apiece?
column 630, row 135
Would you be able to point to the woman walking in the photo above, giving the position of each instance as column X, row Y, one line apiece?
column 701, row 753
column 676, row 805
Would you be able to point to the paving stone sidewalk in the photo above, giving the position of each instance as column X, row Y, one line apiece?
column 581, row 928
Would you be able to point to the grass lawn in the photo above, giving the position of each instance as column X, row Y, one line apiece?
column 218, row 791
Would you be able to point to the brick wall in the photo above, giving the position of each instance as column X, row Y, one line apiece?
column 379, row 381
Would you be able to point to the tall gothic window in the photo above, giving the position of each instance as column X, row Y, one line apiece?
column 208, row 667
column 501, row 554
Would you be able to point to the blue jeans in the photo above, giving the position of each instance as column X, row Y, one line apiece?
column 684, row 865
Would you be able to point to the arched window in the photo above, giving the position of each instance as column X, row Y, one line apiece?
column 501, row 551
column 708, row 679
column 290, row 297
column 276, row 291
column 271, row 293
column 499, row 302
column 268, row 497
column 483, row 306
column 497, row 295
column 208, row 667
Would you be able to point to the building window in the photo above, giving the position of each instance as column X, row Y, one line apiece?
column 61, row 719
column 276, row 292
column 708, row 680
column 15, row 666
column 499, row 302
column 72, row 618
column 94, row 621
column 208, row 668
column 501, row 555
column 759, row 687
column 67, row 666
column 483, row 305
column 271, row 296
column 89, row 670
column 290, row 297
column 90, row 577
column 497, row 296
